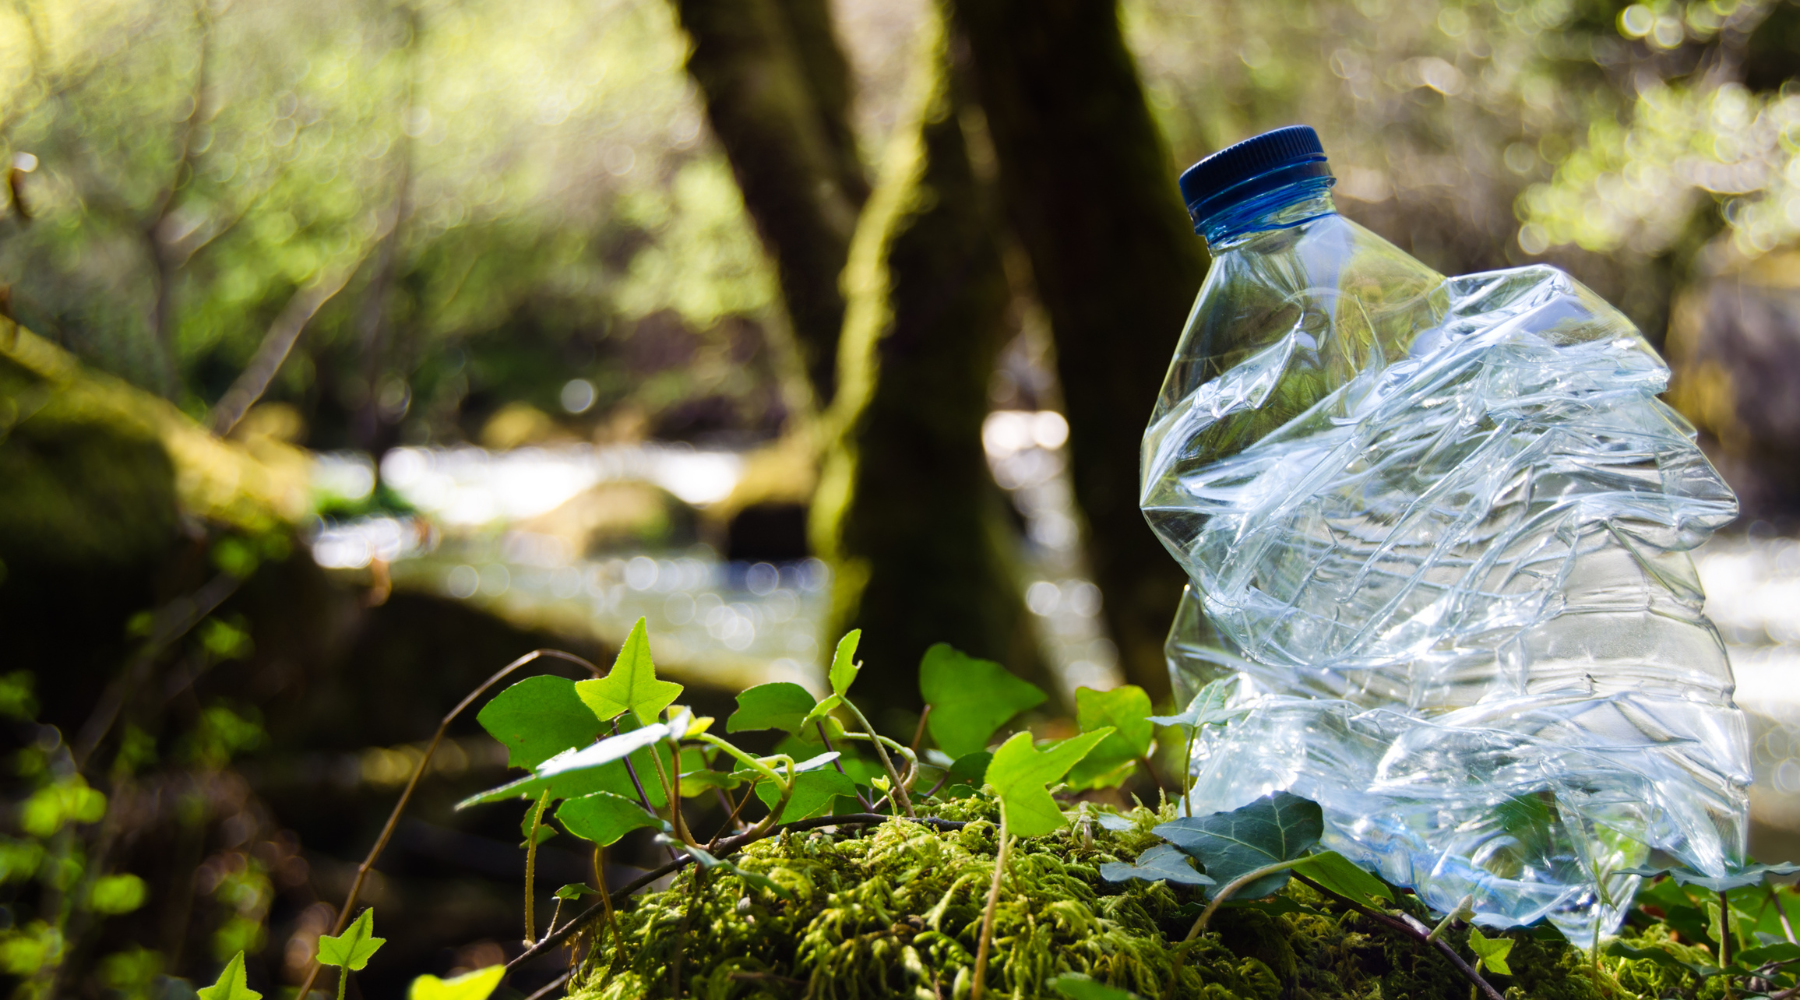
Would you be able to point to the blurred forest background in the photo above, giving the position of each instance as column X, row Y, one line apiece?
column 355, row 347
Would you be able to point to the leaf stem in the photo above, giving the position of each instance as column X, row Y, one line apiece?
column 987, row 915
column 662, row 775
column 1187, row 774
column 899, row 793
column 531, row 843
column 839, row 763
column 919, row 733
column 343, row 979
column 1219, row 897
column 747, row 760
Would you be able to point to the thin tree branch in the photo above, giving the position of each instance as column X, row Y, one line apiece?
column 276, row 344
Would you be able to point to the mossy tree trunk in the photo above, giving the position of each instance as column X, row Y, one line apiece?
column 777, row 92
column 907, row 511
column 1090, row 191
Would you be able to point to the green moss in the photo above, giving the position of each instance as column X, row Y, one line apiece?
column 896, row 910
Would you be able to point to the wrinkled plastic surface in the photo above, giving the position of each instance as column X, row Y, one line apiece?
column 1438, row 527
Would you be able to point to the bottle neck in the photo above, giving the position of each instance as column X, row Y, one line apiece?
column 1280, row 208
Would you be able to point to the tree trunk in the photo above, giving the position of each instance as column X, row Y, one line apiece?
column 777, row 92
column 1091, row 192
column 907, row 511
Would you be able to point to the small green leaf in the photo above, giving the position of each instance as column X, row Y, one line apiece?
column 843, row 668
column 970, row 698
column 231, row 984
column 631, row 685
column 1208, row 707
column 1619, row 949
column 970, row 768
column 1340, row 875
column 813, row 792
column 1281, row 827
column 589, row 758
column 1020, row 773
column 477, row 985
column 1490, row 953
column 538, row 718
column 575, row 890
column 1077, row 986
column 1126, row 709
column 782, row 706
column 604, row 817
column 1164, row 862
column 352, row 949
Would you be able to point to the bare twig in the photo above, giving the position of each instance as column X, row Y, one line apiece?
column 387, row 831
column 168, row 624
column 551, row 986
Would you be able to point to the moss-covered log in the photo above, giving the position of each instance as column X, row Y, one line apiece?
column 907, row 511
column 1090, row 190
column 777, row 92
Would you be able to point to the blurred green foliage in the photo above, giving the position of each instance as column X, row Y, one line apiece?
column 193, row 166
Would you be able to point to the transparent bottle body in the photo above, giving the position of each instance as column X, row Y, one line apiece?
column 1438, row 530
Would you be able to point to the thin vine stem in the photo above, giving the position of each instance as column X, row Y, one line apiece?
column 987, row 915
column 387, row 831
column 899, row 793
column 531, row 845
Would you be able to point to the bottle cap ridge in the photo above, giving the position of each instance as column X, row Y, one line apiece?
column 1279, row 157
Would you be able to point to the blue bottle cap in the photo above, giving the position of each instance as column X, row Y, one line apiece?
column 1258, row 164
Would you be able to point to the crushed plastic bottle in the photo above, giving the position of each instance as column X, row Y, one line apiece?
column 1438, row 529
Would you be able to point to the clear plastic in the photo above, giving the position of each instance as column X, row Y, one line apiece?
column 1438, row 528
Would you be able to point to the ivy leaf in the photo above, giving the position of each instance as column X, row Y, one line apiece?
column 1490, row 953
column 1164, row 862
column 572, row 762
column 1281, row 827
column 352, row 949
column 1126, row 709
column 575, row 890
column 1780, row 951
column 700, row 782
column 813, row 792
column 604, row 817
column 1208, row 707
column 1751, row 874
column 631, row 685
column 970, row 768
column 544, row 831
column 1620, row 949
column 706, row 860
column 231, row 985
column 538, row 718
column 477, row 985
column 1340, row 875
column 781, row 705
column 1077, row 986
column 970, row 698
column 843, row 668
column 1020, row 773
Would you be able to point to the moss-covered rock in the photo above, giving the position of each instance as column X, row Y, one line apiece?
column 896, row 911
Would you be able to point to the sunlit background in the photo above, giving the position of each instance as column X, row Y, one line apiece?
column 458, row 338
